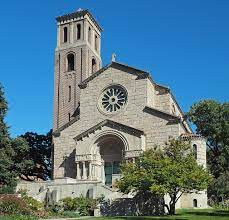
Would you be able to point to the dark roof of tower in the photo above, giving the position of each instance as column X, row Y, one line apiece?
column 78, row 14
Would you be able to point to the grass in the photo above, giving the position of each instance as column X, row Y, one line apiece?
column 182, row 214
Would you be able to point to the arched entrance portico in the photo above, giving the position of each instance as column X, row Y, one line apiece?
column 110, row 152
column 101, row 151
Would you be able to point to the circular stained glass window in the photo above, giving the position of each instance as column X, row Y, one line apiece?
column 113, row 99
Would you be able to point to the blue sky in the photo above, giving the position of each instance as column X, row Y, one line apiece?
column 184, row 44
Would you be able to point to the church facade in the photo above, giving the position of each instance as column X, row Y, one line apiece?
column 106, row 115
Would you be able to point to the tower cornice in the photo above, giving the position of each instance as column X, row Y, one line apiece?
column 78, row 14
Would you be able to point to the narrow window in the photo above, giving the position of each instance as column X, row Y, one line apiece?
column 93, row 62
column 70, row 62
column 78, row 31
column 69, row 117
column 69, row 93
column 89, row 35
column 65, row 34
column 96, row 42
column 195, row 203
column 173, row 109
column 195, row 151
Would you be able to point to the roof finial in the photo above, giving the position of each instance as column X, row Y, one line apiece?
column 113, row 57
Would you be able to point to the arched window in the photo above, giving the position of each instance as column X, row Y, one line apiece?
column 195, row 203
column 195, row 151
column 65, row 34
column 93, row 65
column 96, row 42
column 89, row 35
column 78, row 31
column 70, row 62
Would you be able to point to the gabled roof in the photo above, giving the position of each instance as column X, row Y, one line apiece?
column 141, row 74
column 111, row 124
column 78, row 14
column 152, row 110
column 57, row 132
column 171, row 118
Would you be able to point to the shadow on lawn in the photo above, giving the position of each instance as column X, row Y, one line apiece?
column 222, row 213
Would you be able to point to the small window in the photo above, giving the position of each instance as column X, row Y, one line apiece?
column 96, row 42
column 65, row 34
column 69, row 117
column 70, row 62
column 195, row 203
column 69, row 93
column 195, row 151
column 93, row 62
column 89, row 35
column 78, row 31
column 173, row 109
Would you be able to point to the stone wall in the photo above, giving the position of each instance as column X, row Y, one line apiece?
column 67, row 187
column 84, row 52
column 156, row 127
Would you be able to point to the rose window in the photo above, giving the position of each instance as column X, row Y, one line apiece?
column 113, row 99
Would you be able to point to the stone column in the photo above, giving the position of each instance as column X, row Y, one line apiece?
column 93, row 39
column 89, row 171
column 96, row 172
column 133, row 159
column 71, row 33
column 85, row 31
column 84, row 171
column 58, row 36
column 78, row 170
column 92, row 171
column 102, row 173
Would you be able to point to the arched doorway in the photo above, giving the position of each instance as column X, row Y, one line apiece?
column 195, row 203
column 111, row 150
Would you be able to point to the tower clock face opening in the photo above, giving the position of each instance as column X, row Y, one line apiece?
column 113, row 99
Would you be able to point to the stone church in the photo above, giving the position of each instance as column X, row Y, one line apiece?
column 104, row 116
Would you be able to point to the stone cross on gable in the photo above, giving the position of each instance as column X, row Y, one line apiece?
column 113, row 57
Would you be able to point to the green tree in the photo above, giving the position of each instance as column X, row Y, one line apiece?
column 6, row 152
column 40, row 147
column 171, row 171
column 212, row 121
column 10, row 166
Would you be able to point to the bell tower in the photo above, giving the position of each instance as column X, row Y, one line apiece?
column 77, row 56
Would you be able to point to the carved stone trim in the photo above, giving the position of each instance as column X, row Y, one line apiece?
column 86, row 157
column 111, row 124
column 190, row 136
column 133, row 153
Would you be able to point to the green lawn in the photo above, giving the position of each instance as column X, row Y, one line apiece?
column 184, row 214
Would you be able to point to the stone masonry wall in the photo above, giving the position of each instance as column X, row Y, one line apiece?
column 64, row 79
column 156, row 129
column 84, row 51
